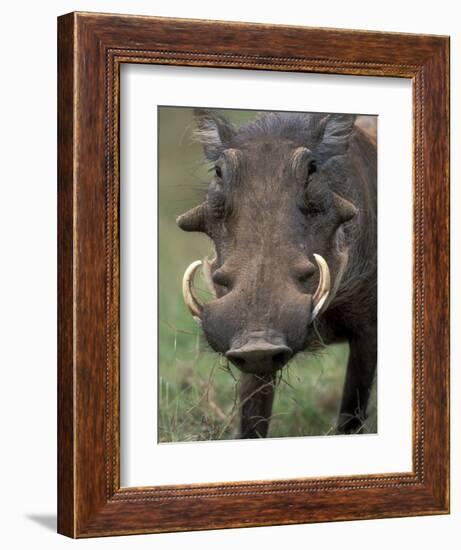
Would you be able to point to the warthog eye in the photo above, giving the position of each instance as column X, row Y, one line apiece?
column 218, row 171
column 303, row 164
column 311, row 168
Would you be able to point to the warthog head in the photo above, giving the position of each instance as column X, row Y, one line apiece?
column 276, row 224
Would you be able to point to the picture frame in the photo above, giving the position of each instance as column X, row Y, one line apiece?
column 91, row 49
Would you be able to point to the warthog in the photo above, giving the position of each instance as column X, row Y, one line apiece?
column 291, row 210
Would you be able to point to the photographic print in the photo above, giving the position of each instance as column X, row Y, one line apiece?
column 268, row 295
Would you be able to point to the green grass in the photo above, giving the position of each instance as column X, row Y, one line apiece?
column 198, row 388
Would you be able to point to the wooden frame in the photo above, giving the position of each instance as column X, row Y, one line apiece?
column 91, row 49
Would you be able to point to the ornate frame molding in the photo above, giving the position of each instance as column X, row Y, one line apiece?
column 91, row 49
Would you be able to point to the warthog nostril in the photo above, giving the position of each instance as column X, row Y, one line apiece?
column 222, row 278
column 257, row 355
column 303, row 270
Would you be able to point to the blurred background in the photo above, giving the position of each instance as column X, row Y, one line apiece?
column 197, row 388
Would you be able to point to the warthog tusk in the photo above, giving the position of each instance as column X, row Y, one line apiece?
column 194, row 304
column 323, row 289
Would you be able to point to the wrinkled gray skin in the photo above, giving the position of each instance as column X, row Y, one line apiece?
column 286, row 186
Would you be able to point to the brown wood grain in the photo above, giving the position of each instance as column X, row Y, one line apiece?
column 91, row 49
column 66, row 296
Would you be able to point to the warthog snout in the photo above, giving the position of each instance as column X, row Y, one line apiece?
column 261, row 353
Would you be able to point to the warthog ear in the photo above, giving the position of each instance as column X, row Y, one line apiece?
column 214, row 132
column 336, row 134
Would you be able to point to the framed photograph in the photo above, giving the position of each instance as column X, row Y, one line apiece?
column 253, row 275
